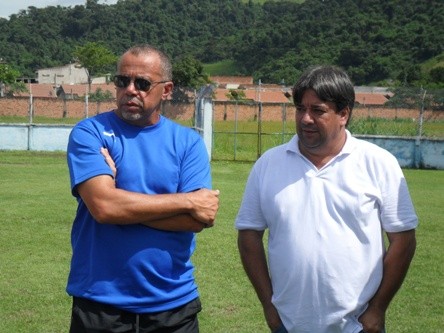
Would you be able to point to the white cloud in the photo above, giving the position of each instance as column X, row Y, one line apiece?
column 9, row 7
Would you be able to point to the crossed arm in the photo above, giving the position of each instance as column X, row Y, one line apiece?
column 170, row 212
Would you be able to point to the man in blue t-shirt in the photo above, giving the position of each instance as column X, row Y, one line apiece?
column 142, row 183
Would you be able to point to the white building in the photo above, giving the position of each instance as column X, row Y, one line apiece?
column 68, row 74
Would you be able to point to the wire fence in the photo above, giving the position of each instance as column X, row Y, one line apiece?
column 244, row 130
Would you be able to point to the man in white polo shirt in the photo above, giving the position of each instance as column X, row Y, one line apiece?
column 326, row 199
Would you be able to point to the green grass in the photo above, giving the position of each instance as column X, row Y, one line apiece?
column 370, row 126
column 437, row 61
column 39, row 120
column 418, row 305
column 37, row 210
column 399, row 127
column 224, row 67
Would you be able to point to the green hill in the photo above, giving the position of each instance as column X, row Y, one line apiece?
column 374, row 40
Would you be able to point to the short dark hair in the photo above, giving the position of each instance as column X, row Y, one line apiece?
column 166, row 66
column 330, row 83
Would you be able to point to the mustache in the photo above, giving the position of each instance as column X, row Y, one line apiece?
column 308, row 127
column 131, row 100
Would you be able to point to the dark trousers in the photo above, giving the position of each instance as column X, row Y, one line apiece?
column 94, row 317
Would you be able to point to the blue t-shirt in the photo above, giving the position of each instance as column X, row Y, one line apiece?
column 134, row 267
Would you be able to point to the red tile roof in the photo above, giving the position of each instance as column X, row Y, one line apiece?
column 370, row 98
column 264, row 96
column 232, row 79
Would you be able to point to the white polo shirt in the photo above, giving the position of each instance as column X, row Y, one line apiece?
column 325, row 246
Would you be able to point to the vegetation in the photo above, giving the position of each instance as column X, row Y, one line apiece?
column 223, row 67
column 188, row 76
column 376, row 41
column 38, row 209
column 8, row 76
column 100, row 96
column 96, row 59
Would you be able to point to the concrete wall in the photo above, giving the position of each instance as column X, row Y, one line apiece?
column 34, row 137
column 410, row 152
column 68, row 74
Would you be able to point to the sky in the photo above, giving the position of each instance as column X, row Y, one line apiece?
column 9, row 7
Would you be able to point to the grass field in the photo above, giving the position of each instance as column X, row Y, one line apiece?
column 37, row 209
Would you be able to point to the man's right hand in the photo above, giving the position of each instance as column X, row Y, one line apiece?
column 204, row 205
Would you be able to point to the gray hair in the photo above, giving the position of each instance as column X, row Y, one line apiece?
column 145, row 49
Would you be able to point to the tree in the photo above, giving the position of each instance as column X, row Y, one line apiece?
column 7, row 73
column 373, row 40
column 8, row 76
column 236, row 95
column 188, row 75
column 437, row 74
column 95, row 58
column 409, row 74
column 100, row 96
column 406, row 97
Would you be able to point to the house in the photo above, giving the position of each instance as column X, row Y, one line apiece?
column 231, row 80
column 68, row 74
column 265, row 93
column 370, row 99
column 273, row 93
column 372, row 96
column 254, row 94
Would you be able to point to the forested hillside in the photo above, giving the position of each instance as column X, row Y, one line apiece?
column 377, row 41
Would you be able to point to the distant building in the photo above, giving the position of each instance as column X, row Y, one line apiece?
column 231, row 80
column 372, row 96
column 265, row 93
column 68, row 74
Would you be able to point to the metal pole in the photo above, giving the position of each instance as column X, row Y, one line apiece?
column 284, row 121
column 421, row 114
column 235, row 129
column 419, row 134
column 259, row 124
column 31, row 108
column 207, row 125
column 86, row 105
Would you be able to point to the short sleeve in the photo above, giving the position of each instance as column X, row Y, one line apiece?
column 397, row 210
column 195, row 172
column 83, row 156
column 250, row 214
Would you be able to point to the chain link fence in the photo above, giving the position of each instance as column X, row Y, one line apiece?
column 244, row 130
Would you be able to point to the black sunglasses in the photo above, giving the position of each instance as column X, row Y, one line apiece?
column 123, row 81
